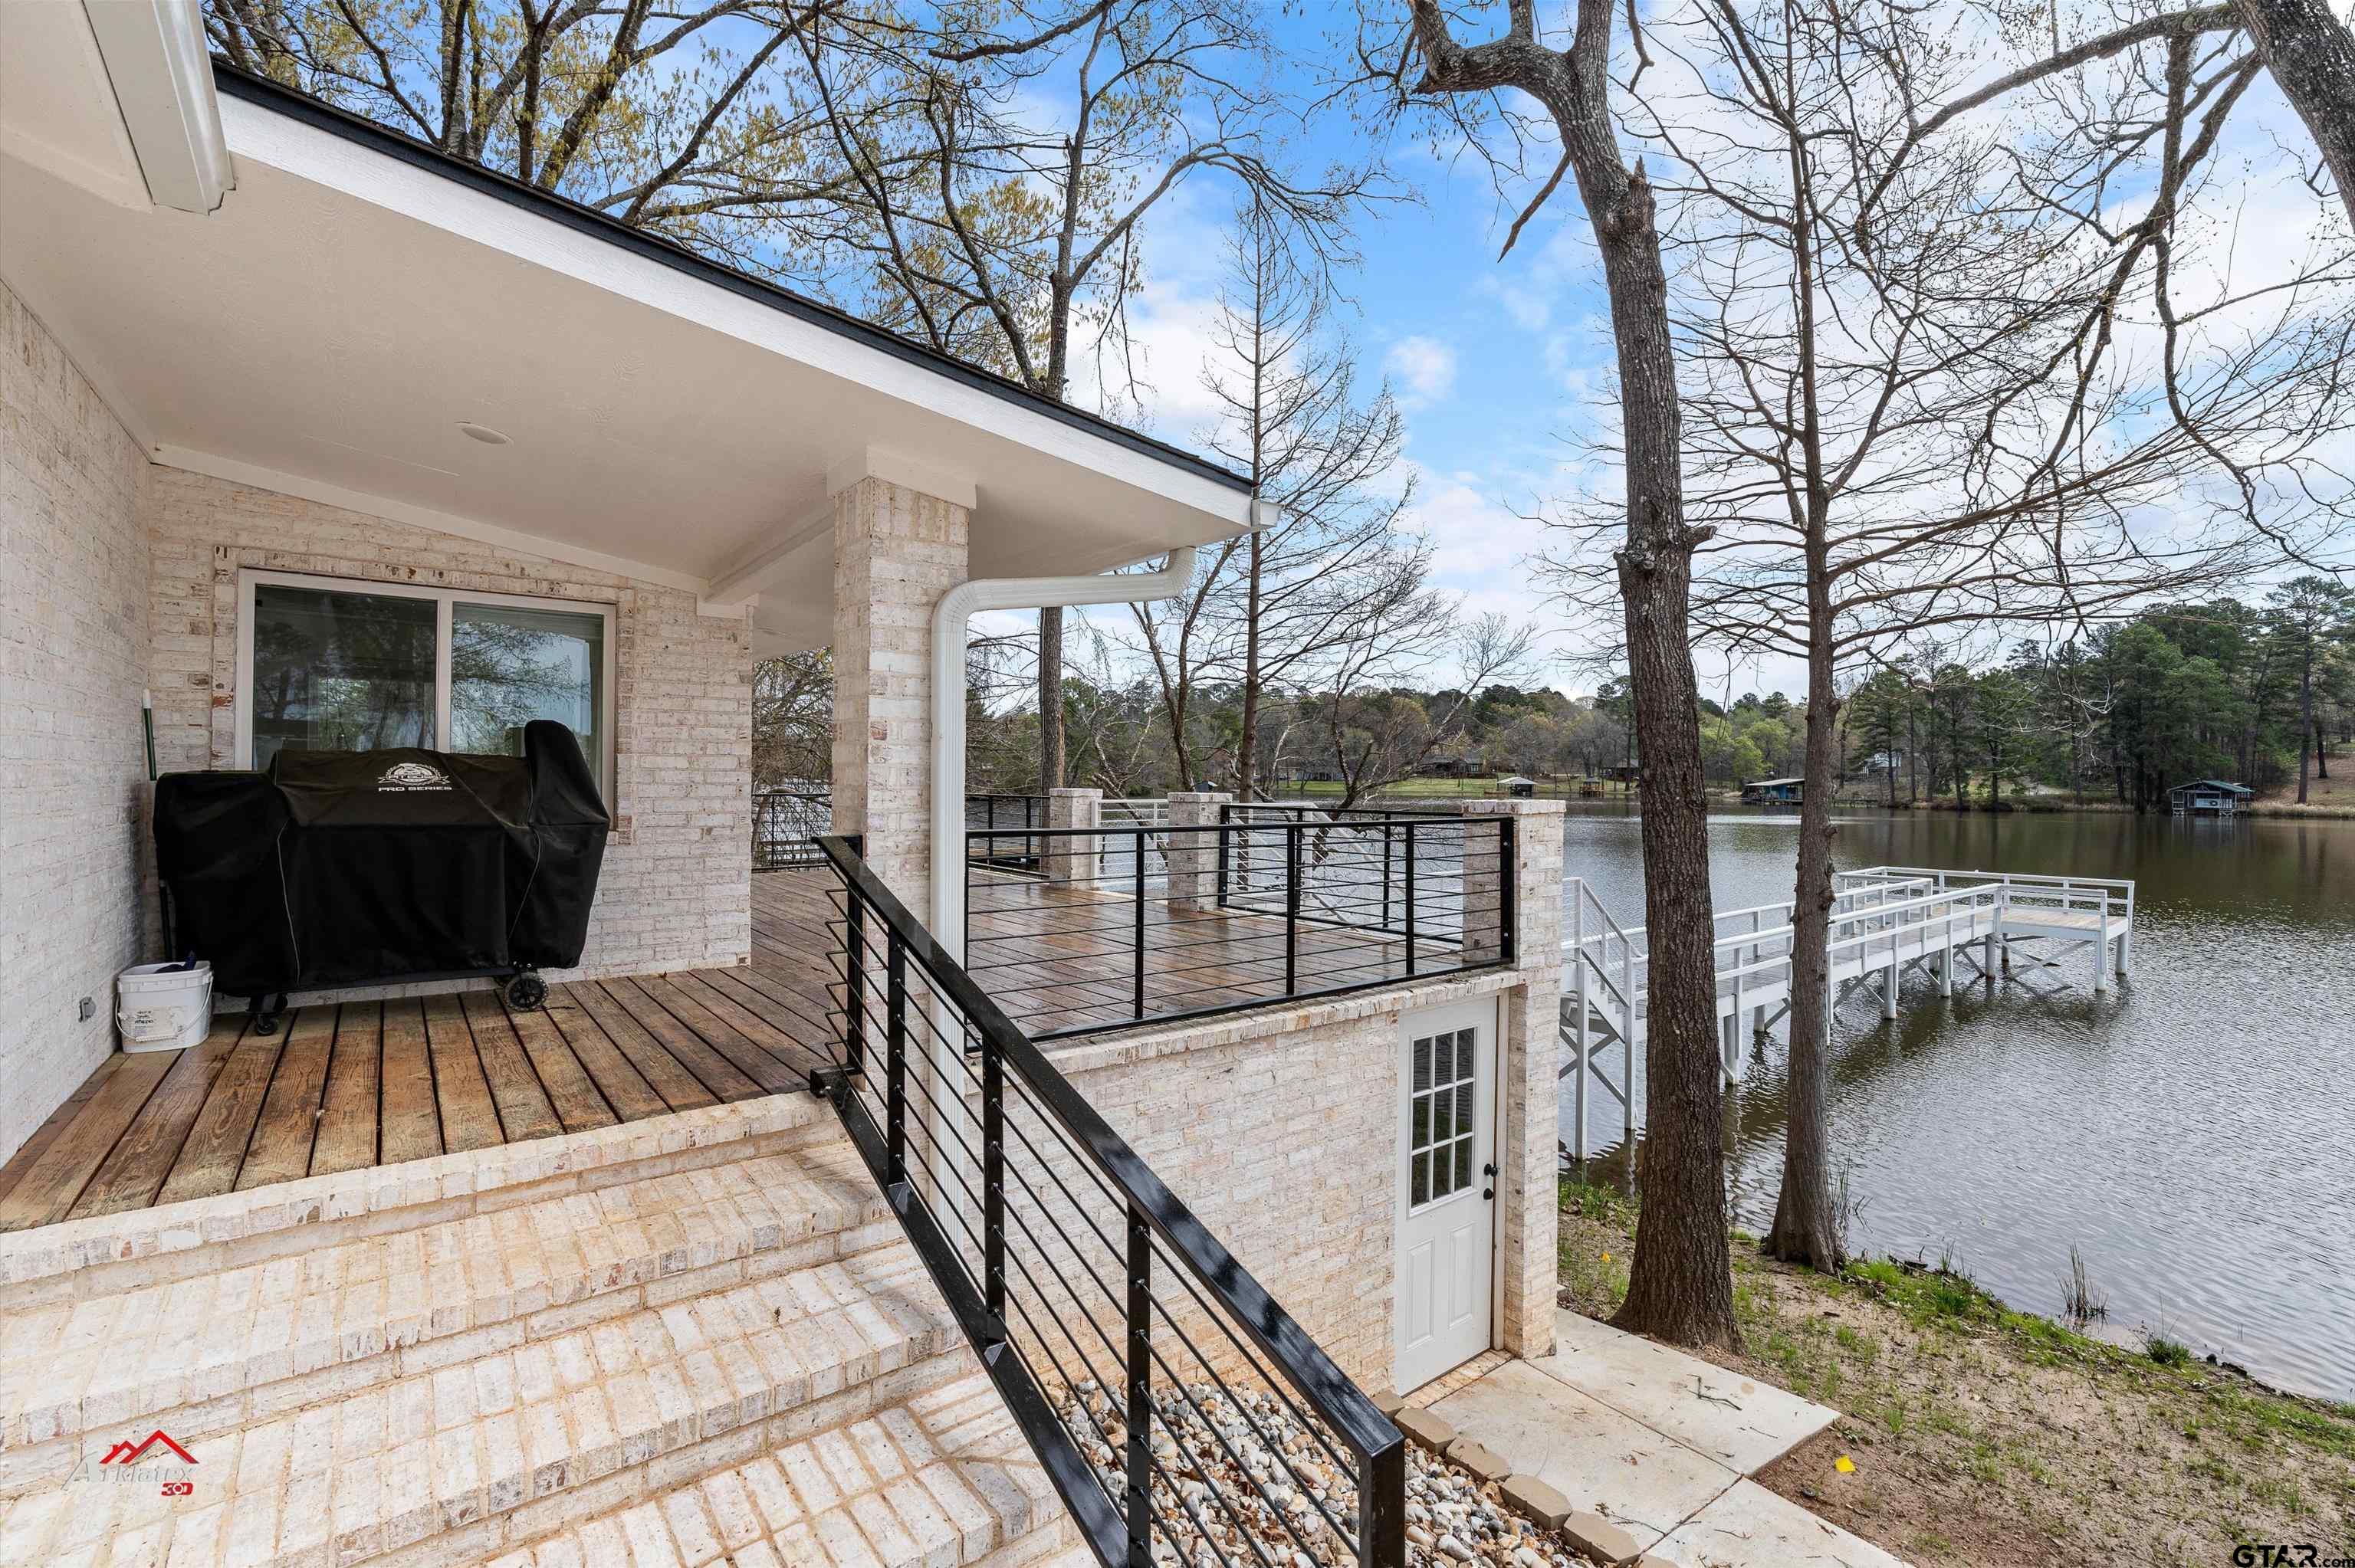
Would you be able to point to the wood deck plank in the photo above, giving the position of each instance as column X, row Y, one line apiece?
column 470, row 1118
column 772, row 1071
column 786, row 1035
column 280, row 1148
column 712, row 1070
column 572, row 1088
column 50, row 1129
column 135, row 1168
column 209, row 1160
column 48, row 1188
column 409, row 1117
column 525, row 1110
column 348, row 1120
column 680, row 1089
column 617, row 1078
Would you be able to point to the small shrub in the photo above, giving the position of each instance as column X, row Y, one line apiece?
column 2167, row 1352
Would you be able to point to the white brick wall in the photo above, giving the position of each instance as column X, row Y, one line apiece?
column 73, row 637
column 676, row 889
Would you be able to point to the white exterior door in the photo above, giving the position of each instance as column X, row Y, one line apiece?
column 1447, row 1116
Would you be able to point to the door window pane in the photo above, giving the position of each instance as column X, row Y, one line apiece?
column 509, row 665
column 340, row 672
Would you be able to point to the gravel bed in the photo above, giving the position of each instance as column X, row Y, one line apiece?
column 1284, row 1491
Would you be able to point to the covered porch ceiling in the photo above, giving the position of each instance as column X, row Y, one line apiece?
column 355, row 299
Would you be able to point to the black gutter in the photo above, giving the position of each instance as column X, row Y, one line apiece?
column 239, row 83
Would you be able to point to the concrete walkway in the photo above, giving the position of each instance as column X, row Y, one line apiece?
column 1658, row 1443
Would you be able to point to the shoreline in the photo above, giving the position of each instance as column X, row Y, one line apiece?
column 1979, row 1437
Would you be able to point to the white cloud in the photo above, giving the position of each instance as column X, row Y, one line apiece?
column 1426, row 368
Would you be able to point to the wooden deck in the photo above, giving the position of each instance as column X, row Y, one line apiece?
column 344, row 1086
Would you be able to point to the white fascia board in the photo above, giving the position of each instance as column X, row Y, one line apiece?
column 464, row 527
column 162, row 80
column 325, row 159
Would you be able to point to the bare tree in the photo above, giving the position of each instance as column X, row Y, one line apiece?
column 793, row 719
column 1680, row 1284
column 690, row 121
column 1335, row 583
column 1375, row 735
column 1915, row 403
column 1051, row 129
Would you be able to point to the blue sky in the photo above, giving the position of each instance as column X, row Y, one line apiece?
column 1492, row 361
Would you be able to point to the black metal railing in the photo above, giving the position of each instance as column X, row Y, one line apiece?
column 786, row 824
column 1169, row 1396
column 1125, row 925
column 995, row 815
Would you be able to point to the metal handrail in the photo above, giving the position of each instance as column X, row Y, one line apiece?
column 1010, row 1068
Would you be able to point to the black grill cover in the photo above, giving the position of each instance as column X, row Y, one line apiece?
column 364, row 867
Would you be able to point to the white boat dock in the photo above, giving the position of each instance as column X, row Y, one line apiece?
column 1885, row 920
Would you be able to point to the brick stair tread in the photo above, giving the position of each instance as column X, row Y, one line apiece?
column 944, row 1480
column 68, row 1368
column 469, row 1448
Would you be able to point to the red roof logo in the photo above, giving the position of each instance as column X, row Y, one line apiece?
column 129, row 1453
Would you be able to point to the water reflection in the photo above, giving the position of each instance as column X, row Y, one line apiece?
column 2193, row 1132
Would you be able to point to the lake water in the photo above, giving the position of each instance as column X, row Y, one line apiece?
column 2192, row 1132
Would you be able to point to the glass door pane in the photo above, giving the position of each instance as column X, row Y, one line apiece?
column 510, row 665
column 340, row 672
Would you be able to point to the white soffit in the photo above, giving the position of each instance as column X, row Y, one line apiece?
column 326, row 331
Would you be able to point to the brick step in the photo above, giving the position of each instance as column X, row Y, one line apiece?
column 218, row 1352
column 452, row 1465
column 943, row 1481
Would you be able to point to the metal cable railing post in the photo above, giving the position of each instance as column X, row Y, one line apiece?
column 1138, row 935
column 1410, row 899
column 1140, row 1390
column 1225, row 821
column 854, row 985
column 1292, row 908
column 1386, row 876
column 1506, row 889
column 895, row 1013
column 993, row 1182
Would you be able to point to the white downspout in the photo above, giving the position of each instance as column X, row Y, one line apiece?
column 950, row 615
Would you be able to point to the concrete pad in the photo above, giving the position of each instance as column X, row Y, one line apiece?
column 1749, row 1527
column 1741, row 1422
column 1601, row 1460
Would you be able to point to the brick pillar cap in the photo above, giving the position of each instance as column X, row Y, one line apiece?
column 1076, row 794
column 1201, row 795
column 1516, row 808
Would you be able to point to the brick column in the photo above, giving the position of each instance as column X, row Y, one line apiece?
column 1530, row 1017
column 1194, row 856
column 1073, row 861
column 896, row 551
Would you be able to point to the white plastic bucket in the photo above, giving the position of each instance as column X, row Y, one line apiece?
column 159, row 1007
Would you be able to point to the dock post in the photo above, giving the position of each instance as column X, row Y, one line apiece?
column 2101, row 947
column 1729, row 1048
column 1987, row 955
column 1585, row 1064
column 1889, row 983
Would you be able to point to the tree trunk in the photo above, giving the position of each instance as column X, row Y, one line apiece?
column 1806, row 1227
column 2311, row 55
column 1680, row 1282
column 2305, row 735
column 1246, row 745
column 1050, row 699
column 1680, row 1286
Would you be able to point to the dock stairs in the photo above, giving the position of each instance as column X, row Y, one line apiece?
column 735, row 1359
